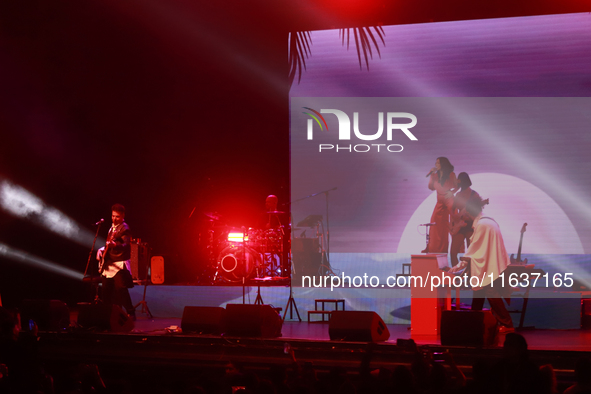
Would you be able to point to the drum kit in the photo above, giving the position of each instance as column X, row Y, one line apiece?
column 239, row 254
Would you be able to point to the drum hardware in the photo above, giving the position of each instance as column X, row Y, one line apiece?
column 270, row 265
column 259, row 299
column 291, row 305
column 269, row 244
column 239, row 254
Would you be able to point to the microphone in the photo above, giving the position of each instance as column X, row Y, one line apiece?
column 99, row 222
column 428, row 224
column 430, row 172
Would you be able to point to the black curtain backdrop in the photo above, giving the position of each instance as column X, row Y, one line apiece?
column 169, row 108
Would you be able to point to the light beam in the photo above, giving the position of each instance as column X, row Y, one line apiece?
column 21, row 203
column 26, row 258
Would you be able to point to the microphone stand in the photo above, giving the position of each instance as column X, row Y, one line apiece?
column 427, row 233
column 94, row 284
column 328, row 230
column 98, row 227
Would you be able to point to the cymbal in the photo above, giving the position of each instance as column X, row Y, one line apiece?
column 213, row 215
column 276, row 212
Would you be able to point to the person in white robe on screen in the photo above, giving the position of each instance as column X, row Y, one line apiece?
column 486, row 258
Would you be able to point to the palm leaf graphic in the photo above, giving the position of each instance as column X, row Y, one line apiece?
column 362, row 36
column 299, row 50
column 365, row 39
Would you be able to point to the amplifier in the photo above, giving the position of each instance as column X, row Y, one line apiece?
column 139, row 260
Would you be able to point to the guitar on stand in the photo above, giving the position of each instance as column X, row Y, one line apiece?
column 518, row 261
column 520, row 267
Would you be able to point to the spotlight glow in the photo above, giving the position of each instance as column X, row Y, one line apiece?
column 23, row 204
column 26, row 258
column 18, row 201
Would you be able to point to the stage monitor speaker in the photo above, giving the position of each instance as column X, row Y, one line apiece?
column 157, row 270
column 101, row 317
column 246, row 320
column 357, row 326
column 468, row 328
column 139, row 260
column 49, row 315
column 203, row 319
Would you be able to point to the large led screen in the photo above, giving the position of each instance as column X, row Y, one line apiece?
column 505, row 100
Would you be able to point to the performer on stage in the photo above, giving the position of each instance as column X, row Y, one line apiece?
column 460, row 230
column 270, row 218
column 114, row 260
column 443, row 180
column 486, row 255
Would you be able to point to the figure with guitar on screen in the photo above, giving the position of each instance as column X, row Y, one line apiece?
column 461, row 230
column 114, row 259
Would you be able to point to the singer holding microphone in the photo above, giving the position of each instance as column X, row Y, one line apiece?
column 442, row 179
column 114, row 259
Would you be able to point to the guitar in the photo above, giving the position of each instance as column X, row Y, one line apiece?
column 101, row 266
column 456, row 223
column 518, row 260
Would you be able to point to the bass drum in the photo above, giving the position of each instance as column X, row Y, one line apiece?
column 234, row 267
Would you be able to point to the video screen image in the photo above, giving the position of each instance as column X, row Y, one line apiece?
column 504, row 100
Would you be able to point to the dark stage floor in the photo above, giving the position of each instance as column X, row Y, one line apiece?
column 151, row 348
column 537, row 339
